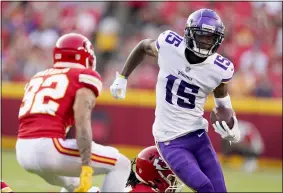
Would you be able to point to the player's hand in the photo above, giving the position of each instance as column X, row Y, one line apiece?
column 119, row 86
column 225, row 132
column 85, row 179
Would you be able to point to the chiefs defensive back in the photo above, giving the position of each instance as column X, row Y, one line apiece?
column 54, row 100
column 151, row 174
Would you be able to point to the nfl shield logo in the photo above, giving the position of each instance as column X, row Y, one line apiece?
column 188, row 69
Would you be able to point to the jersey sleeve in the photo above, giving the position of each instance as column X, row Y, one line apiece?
column 159, row 43
column 92, row 80
column 228, row 74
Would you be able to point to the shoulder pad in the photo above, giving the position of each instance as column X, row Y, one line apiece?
column 225, row 66
column 91, row 80
column 168, row 37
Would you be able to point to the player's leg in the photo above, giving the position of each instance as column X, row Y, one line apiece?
column 209, row 163
column 62, row 158
column 69, row 183
column 116, row 179
column 105, row 160
column 37, row 156
column 183, row 163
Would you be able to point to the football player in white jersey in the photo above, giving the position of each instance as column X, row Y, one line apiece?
column 189, row 70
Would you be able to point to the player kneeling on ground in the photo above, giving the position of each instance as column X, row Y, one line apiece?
column 54, row 100
column 151, row 174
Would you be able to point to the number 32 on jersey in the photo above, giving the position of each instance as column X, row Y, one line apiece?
column 38, row 89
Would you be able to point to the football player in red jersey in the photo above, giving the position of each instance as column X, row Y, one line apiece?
column 5, row 187
column 151, row 174
column 54, row 100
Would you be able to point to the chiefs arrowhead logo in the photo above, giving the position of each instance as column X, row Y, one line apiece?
column 160, row 164
column 89, row 47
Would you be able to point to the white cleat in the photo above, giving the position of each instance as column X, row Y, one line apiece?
column 94, row 189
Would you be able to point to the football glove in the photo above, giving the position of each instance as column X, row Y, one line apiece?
column 233, row 135
column 119, row 86
column 85, row 179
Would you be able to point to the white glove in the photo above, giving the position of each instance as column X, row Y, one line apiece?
column 225, row 132
column 119, row 87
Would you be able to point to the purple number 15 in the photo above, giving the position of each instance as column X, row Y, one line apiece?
column 174, row 39
column 181, row 102
column 222, row 62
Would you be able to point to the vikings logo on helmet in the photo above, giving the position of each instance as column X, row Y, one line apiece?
column 160, row 164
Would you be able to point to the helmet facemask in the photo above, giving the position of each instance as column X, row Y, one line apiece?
column 202, row 42
column 174, row 184
column 204, row 32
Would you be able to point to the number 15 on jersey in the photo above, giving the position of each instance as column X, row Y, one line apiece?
column 189, row 103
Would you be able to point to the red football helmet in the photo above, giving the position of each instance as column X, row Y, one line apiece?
column 151, row 169
column 74, row 48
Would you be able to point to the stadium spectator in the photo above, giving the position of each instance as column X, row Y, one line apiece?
column 29, row 29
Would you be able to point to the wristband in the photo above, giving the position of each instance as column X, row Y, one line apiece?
column 121, row 76
column 223, row 102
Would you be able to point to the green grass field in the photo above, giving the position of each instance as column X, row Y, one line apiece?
column 264, row 180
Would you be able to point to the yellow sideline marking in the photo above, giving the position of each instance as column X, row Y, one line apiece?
column 145, row 98
column 132, row 152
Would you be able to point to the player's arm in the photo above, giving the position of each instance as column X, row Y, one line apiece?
column 144, row 48
column 85, row 100
column 220, row 93
column 147, row 47
column 83, row 105
column 222, row 98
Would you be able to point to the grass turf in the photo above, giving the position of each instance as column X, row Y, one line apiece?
column 264, row 180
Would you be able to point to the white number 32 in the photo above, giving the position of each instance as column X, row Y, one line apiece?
column 38, row 89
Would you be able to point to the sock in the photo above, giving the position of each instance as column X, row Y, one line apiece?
column 115, row 181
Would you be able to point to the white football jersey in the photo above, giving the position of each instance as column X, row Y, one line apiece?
column 182, row 88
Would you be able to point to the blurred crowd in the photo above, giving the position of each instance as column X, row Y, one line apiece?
column 253, row 38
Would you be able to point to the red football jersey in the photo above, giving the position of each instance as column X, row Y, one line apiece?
column 47, row 106
column 142, row 188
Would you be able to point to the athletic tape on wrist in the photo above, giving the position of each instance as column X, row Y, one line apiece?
column 223, row 102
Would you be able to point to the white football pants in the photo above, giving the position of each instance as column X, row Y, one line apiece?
column 58, row 162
